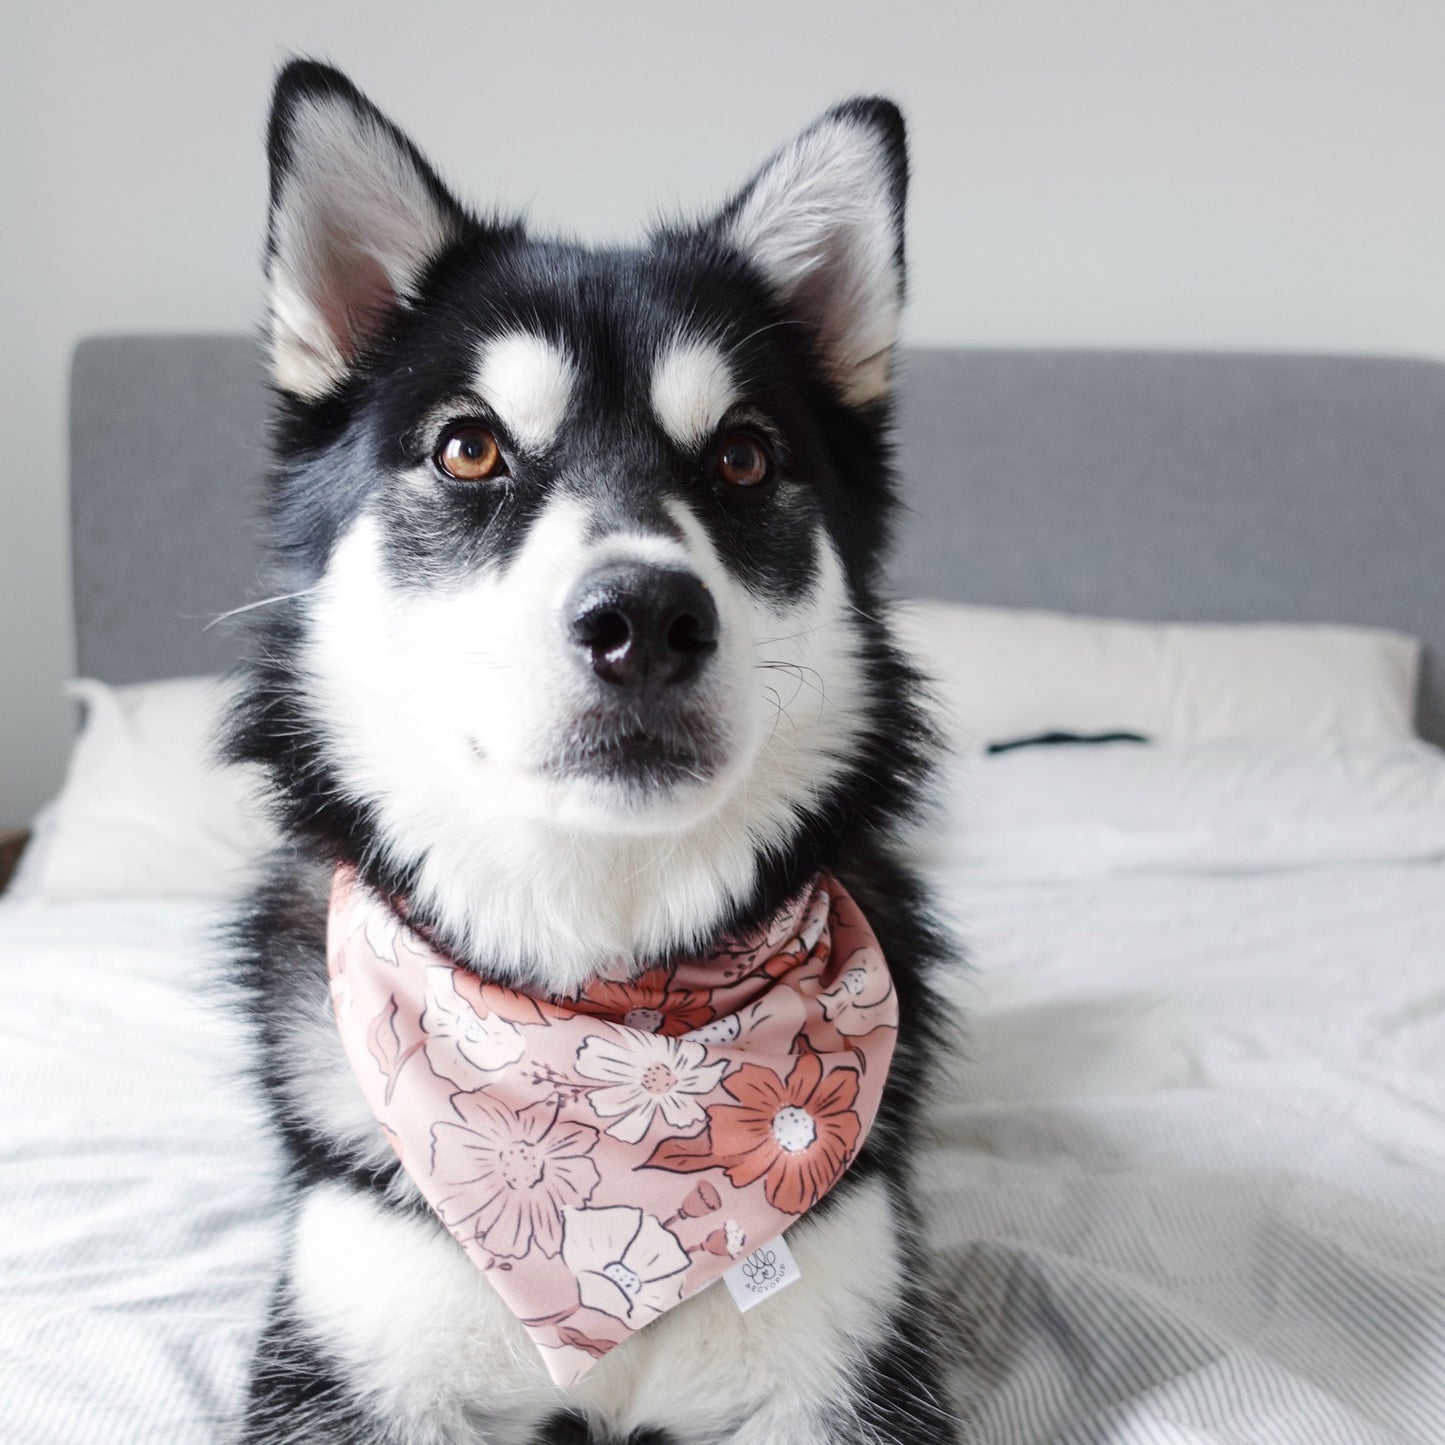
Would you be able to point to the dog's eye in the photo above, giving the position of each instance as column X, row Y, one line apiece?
column 742, row 460
column 469, row 453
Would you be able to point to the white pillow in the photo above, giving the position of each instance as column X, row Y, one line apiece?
column 1236, row 806
column 145, row 810
column 1004, row 674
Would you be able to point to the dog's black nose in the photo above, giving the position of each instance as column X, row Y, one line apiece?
column 643, row 626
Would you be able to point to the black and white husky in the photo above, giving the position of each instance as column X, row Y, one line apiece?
column 580, row 651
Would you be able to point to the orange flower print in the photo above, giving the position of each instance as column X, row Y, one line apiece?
column 809, row 944
column 796, row 1136
column 780, row 945
column 650, row 1003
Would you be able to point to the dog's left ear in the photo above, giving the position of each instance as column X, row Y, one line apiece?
column 823, row 223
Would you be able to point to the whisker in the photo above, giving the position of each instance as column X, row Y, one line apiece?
column 737, row 346
column 798, row 669
column 251, row 606
column 793, row 636
column 777, row 701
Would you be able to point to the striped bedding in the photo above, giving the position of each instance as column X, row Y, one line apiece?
column 1187, row 1179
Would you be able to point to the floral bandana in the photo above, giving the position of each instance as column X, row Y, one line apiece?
column 603, row 1157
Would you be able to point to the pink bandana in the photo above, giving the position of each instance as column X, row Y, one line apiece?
column 556, row 1137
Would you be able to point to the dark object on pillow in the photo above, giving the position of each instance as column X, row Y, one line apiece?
column 1048, row 740
column 12, row 845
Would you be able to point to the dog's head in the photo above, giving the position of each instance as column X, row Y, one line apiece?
column 580, row 647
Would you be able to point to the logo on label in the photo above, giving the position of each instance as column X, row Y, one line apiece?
column 764, row 1272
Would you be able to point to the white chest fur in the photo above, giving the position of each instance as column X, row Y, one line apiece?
column 423, row 1337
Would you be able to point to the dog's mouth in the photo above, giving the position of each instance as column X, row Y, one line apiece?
column 637, row 755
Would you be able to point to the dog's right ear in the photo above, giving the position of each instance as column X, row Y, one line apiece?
column 356, row 216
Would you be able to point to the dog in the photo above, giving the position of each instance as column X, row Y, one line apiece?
column 578, row 666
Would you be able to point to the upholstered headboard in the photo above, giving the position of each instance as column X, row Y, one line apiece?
column 1142, row 485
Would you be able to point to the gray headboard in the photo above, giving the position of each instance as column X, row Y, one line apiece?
column 1144, row 485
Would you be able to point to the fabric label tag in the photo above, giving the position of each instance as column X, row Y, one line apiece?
column 764, row 1272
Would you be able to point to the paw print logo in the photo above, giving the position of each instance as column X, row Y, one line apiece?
column 762, row 1271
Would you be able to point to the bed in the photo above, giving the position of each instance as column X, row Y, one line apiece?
column 1187, row 1177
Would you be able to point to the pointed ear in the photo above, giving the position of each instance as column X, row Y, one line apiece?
column 356, row 215
column 823, row 222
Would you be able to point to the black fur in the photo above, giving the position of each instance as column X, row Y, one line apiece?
column 415, row 365
column 329, row 455
column 296, row 1393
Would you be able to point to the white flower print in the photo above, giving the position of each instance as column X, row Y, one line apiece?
column 725, row 1030
column 343, row 996
column 462, row 1046
column 862, row 996
column 626, row 1263
column 647, row 1074
column 771, row 1024
column 508, row 1174
column 565, row 1363
column 786, row 938
column 384, row 932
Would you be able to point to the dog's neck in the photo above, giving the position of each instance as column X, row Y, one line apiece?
column 550, row 910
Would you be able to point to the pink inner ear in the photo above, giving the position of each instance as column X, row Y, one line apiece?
column 357, row 300
column 832, row 297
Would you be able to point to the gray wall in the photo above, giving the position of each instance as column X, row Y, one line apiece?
column 1201, row 173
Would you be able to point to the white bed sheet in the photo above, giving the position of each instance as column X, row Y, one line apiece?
column 138, row 1220
column 1188, row 1186
column 1191, row 1187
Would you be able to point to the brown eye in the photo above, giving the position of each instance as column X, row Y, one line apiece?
column 469, row 453
column 742, row 460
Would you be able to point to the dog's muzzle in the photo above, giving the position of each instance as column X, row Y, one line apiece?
column 641, row 627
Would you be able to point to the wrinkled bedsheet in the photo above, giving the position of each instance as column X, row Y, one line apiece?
column 1187, row 1181
column 137, row 1197
column 1190, row 1186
